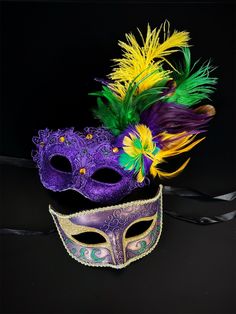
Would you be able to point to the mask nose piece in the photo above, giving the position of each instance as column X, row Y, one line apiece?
column 79, row 178
column 118, row 249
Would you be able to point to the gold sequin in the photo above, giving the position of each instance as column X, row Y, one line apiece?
column 42, row 144
column 62, row 139
column 82, row 171
column 89, row 136
column 115, row 149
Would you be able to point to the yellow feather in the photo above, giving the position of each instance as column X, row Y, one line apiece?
column 173, row 144
column 139, row 61
column 145, row 135
column 131, row 151
column 140, row 177
column 127, row 141
column 180, row 144
column 153, row 170
column 166, row 175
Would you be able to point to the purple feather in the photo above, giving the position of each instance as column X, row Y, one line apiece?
column 147, row 164
column 174, row 118
column 120, row 138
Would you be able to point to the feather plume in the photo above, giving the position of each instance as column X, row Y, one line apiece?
column 174, row 118
column 172, row 145
column 192, row 87
column 139, row 150
column 116, row 113
column 145, row 59
column 143, row 152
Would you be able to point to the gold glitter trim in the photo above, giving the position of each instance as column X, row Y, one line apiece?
column 71, row 229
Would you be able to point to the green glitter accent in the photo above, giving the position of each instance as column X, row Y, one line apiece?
column 68, row 241
column 137, row 143
column 95, row 258
column 142, row 249
column 82, row 253
column 73, row 250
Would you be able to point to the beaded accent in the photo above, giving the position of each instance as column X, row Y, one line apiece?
column 62, row 139
column 82, row 171
column 89, row 136
column 115, row 149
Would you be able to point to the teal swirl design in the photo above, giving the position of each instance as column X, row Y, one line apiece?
column 82, row 253
column 68, row 241
column 73, row 250
column 143, row 247
column 95, row 258
column 93, row 255
column 143, row 244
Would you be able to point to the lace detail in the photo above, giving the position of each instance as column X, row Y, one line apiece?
column 86, row 151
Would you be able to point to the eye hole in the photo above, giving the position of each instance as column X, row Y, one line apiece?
column 138, row 228
column 106, row 175
column 61, row 163
column 90, row 238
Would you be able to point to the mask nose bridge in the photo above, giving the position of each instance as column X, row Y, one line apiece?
column 116, row 239
column 79, row 176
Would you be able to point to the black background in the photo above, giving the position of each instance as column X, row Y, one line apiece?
column 50, row 53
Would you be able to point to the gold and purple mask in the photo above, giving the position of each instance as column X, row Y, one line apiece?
column 113, row 236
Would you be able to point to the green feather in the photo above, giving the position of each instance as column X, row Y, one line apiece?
column 117, row 114
column 126, row 161
column 137, row 143
column 192, row 87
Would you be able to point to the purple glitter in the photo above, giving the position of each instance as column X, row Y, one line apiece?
column 87, row 152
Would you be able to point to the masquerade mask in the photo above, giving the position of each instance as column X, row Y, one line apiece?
column 148, row 110
column 112, row 236
column 80, row 161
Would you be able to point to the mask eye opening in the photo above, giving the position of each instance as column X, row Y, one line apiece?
column 61, row 163
column 106, row 175
column 89, row 238
column 138, row 228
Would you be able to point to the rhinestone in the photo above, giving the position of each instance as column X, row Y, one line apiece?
column 89, row 136
column 115, row 149
column 62, row 139
column 82, row 171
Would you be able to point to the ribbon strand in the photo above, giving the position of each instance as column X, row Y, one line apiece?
column 167, row 190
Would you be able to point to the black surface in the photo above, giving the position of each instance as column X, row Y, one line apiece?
column 50, row 53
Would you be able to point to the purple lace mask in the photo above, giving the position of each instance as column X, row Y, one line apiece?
column 113, row 236
column 83, row 162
